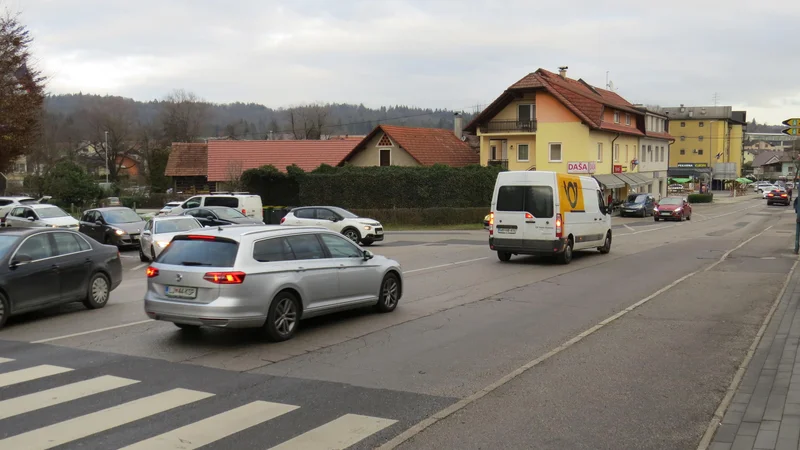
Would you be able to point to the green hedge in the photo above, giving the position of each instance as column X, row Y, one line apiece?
column 425, row 216
column 701, row 198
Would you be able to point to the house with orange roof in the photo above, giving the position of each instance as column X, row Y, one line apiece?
column 547, row 121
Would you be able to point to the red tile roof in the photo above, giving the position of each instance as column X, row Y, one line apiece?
column 585, row 101
column 187, row 160
column 428, row 146
column 307, row 154
column 619, row 128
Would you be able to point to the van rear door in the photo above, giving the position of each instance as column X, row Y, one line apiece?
column 524, row 213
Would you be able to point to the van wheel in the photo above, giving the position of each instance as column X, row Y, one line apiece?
column 565, row 257
column 504, row 256
column 606, row 248
column 282, row 318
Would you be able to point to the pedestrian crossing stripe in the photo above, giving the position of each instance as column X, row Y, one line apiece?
column 340, row 433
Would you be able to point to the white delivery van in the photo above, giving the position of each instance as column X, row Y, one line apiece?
column 547, row 213
column 247, row 204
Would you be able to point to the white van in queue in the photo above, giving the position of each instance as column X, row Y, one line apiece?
column 547, row 213
column 247, row 204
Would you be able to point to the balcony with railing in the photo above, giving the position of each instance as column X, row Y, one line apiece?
column 509, row 126
column 502, row 163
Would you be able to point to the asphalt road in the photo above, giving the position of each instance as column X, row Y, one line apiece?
column 477, row 344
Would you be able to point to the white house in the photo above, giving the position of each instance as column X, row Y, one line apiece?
column 654, row 150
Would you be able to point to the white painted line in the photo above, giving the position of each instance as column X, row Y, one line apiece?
column 126, row 256
column 62, row 394
column 83, row 426
column 337, row 434
column 628, row 226
column 2, row 360
column 737, row 378
column 42, row 341
column 140, row 266
column 32, row 373
column 466, row 401
column 212, row 429
column 444, row 265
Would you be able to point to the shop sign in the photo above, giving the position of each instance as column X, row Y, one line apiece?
column 581, row 167
column 617, row 168
column 693, row 165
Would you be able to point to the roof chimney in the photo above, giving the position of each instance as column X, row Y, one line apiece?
column 458, row 125
column 562, row 72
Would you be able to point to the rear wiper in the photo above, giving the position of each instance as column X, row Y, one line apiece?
column 194, row 263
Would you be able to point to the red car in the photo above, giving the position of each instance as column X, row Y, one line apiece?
column 673, row 208
column 778, row 196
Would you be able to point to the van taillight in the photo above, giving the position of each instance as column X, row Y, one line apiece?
column 529, row 216
column 559, row 226
column 244, row 211
column 491, row 218
column 225, row 277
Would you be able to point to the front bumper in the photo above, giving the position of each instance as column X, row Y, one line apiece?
column 375, row 234
column 528, row 246
column 125, row 240
column 203, row 314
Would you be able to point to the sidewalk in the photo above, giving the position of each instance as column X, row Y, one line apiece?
column 765, row 411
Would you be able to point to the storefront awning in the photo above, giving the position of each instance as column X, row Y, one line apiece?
column 685, row 172
column 645, row 178
column 609, row 181
column 632, row 181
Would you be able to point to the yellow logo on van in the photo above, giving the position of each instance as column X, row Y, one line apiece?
column 570, row 193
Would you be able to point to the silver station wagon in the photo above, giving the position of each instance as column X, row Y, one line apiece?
column 271, row 277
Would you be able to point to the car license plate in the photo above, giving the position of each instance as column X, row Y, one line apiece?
column 181, row 292
column 665, row 213
column 378, row 231
column 506, row 231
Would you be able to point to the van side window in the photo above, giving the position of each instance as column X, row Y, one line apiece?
column 601, row 202
column 193, row 202
column 230, row 202
column 537, row 200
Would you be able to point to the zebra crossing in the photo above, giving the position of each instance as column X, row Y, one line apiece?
column 341, row 432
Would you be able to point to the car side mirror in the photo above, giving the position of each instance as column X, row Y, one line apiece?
column 146, row 233
column 368, row 255
column 31, row 219
column 20, row 260
column 98, row 222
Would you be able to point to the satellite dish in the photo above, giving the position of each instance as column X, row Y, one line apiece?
column 464, row 138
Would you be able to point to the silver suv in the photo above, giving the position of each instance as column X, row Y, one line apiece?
column 246, row 276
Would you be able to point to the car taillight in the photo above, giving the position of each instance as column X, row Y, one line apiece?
column 202, row 237
column 244, row 211
column 225, row 277
column 769, row 195
column 559, row 226
column 151, row 272
column 283, row 219
column 783, row 195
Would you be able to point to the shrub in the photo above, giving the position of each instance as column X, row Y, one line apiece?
column 274, row 186
column 425, row 216
column 701, row 198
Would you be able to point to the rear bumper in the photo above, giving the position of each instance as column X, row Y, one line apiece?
column 205, row 314
column 527, row 246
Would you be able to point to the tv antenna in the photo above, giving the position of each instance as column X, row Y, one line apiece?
column 715, row 98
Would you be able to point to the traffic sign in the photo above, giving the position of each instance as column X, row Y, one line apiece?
column 794, row 122
column 792, row 131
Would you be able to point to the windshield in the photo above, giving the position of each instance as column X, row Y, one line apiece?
column 6, row 242
column 51, row 213
column 177, row 225
column 671, row 201
column 637, row 198
column 344, row 213
column 121, row 216
column 229, row 213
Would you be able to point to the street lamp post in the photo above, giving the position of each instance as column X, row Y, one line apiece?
column 106, row 157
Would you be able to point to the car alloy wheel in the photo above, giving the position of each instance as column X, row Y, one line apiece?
column 283, row 317
column 286, row 316
column 351, row 234
column 389, row 294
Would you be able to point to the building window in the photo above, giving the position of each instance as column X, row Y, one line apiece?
column 599, row 152
column 683, row 124
column 616, row 116
column 650, row 153
column 385, row 157
column 522, row 152
column 663, row 153
column 683, row 138
column 683, row 151
column 700, row 151
column 385, row 141
column 493, row 153
column 700, row 138
column 702, row 124
column 616, row 152
column 627, row 119
column 555, row 151
column 525, row 113
column 626, row 152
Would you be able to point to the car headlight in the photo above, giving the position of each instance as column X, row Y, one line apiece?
column 367, row 227
column 162, row 243
column 119, row 232
column 677, row 210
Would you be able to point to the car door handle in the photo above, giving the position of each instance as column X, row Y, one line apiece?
column 530, row 221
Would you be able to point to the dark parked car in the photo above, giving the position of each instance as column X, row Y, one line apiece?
column 778, row 196
column 114, row 226
column 41, row 267
column 213, row 216
column 673, row 208
column 638, row 205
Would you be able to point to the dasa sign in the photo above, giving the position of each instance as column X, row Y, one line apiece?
column 581, row 167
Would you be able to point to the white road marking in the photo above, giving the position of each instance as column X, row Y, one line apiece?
column 737, row 377
column 140, row 266
column 89, row 424
column 207, row 431
column 444, row 265
column 42, row 341
column 2, row 360
column 337, row 434
column 628, row 226
column 463, row 403
column 62, row 394
column 32, row 373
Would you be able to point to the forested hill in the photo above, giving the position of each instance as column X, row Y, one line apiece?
column 254, row 121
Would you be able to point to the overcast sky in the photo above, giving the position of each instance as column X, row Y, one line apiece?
column 427, row 53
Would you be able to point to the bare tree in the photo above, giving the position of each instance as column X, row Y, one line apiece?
column 154, row 154
column 117, row 118
column 21, row 91
column 183, row 116
column 308, row 122
column 234, row 176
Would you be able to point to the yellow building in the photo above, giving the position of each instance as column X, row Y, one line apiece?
column 708, row 140
column 547, row 121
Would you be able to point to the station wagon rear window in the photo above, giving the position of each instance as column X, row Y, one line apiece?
column 537, row 200
column 199, row 252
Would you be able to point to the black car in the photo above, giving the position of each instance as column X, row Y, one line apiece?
column 641, row 205
column 777, row 196
column 114, row 226
column 42, row 267
column 213, row 216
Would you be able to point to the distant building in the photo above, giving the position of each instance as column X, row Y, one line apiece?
column 768, row 141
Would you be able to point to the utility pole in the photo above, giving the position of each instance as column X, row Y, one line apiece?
column 106, row 157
